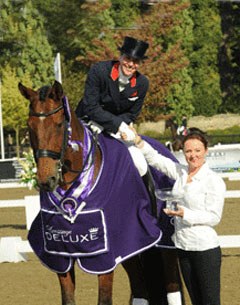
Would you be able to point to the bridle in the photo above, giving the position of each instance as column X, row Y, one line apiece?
column 67, row 141
column 45, row 152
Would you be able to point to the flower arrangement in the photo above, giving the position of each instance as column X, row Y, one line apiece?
column 29, row 170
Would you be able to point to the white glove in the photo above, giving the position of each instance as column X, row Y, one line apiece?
column 96, row 128
column 123, row 128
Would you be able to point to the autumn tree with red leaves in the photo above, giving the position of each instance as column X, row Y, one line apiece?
column 165, row 57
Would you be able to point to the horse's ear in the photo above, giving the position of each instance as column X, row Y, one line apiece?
column 26, row 92
column 58, row 90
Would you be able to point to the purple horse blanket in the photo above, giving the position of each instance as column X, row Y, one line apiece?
column 115, row 220
column 165, row 222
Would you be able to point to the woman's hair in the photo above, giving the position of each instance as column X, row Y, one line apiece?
column 196, row 133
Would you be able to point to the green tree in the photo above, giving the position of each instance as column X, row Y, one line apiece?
column 204, row 58
column 99, row 29
column 170, row 84
column 229, row 60
column 24, row 43
column 124, row 13
column 61, row 19
column 73, row 83
column 14, row 106
column 78, row 38
column 180, row 98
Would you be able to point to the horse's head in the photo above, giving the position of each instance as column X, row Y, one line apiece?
column 47, row 130
column 177, row 143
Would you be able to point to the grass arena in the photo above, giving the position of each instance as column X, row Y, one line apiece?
column 27, row 283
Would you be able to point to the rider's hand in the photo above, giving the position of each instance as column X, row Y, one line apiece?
column 127, row 134
column 96, row 128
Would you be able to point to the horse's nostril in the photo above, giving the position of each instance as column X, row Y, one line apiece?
column 52, row 182
column 52, row 179
column 49, row 185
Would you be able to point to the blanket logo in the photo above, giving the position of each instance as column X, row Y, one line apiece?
column 66, row 236
column 86, row 236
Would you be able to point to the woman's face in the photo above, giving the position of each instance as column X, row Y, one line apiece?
column 195, row 152
column 129, row 65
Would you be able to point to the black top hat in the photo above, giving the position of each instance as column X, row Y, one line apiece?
column 134, row 48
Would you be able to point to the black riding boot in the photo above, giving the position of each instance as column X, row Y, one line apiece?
column 150, row 186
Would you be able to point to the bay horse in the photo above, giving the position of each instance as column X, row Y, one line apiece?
column 176, row 143
column 95, row 209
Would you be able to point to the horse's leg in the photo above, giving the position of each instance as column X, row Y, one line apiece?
column 172, row 277
column 154, row 276
column 133, row 267
column 67, row 283
column 105, row 287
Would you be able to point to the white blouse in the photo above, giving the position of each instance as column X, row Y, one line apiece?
column 203, row 202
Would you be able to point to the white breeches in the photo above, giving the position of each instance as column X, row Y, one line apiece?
column 138, row 159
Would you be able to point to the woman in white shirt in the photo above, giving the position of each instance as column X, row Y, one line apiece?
column 199, row 211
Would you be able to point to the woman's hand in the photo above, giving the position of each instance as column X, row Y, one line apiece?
column 179, row 212
column 127, row 134
column 137, row 140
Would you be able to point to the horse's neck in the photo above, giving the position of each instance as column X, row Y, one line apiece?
column 77, row 129
column 74, row 156
column 173, row 130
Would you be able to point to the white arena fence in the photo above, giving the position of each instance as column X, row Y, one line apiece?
column 14, row 249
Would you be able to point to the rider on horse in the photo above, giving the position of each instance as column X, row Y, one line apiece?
column 113, row 98
column 81, row 199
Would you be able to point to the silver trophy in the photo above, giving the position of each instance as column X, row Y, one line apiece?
column 172, row 197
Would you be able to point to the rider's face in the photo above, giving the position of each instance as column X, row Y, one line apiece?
column 129, row 65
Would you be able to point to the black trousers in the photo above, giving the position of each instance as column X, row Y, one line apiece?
column 201, row 274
